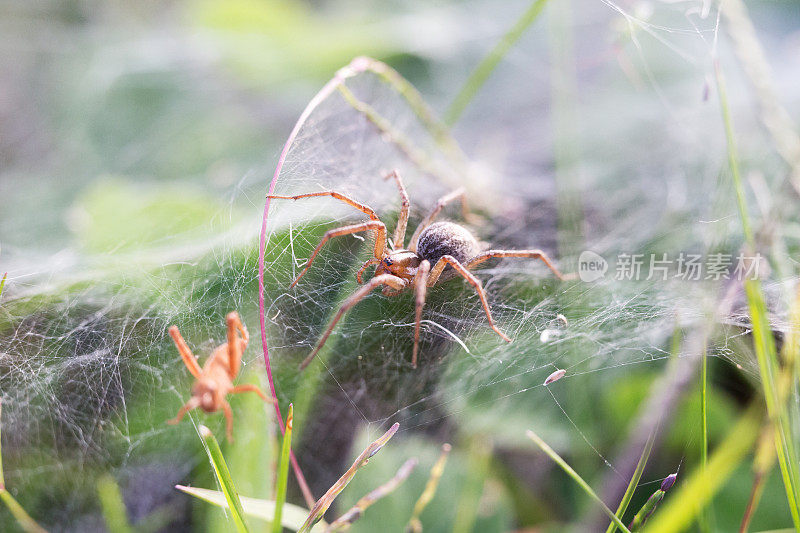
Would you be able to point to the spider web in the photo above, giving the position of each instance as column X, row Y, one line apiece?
column 88, row 375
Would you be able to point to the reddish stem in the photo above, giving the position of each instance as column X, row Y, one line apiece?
column 356, row 66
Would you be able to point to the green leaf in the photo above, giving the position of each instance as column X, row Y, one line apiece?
column 224, row 478
column 292, row 518
column 578, row 479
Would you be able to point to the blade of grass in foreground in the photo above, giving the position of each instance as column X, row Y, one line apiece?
column 637, row 475
column 472, row 487
column 293, row 515
column 327, row 499
column 414, row 524
column 283, row 472
column 763, row 341
column 224, row 478
column 112, row 505
column 485, row 67
column 648, row 447
column 24, row 520
column 693, row 495
column 577, row 478
column 705, row 518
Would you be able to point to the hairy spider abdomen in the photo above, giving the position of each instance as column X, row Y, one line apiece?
column 446, row 238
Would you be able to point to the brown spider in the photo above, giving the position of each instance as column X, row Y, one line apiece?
column 437, row 252
column 215, row 379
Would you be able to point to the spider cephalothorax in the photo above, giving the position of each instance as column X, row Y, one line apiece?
column 436, row 252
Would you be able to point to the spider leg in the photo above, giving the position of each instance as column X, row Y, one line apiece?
column 186, row 354
column 443, row 201
column 471, row 279
column 420, row 289
column 535, row 254
column 405, row 205
column 360, row 273
column 339, row 196
column 380, row 240
column 235, row 345
column 188, row 406
column 248, row 387
column 226, row 408
column 384, row 279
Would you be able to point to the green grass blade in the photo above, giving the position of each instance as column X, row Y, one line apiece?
column 480, row 455
column 637, row 475
column 763, row 341
column 675, row 346
column 224, row 478
column 490, row 62
column 24, row 520
column 293, row 515
column 704, row 516
column 693, row 495
column 283, row 472
column 732, row 156
column 113, row 506
column 414, row 524
column 766, row 355
column 3, row 283
column 577, row 478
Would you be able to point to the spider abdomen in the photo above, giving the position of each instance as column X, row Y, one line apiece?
column 446, row 238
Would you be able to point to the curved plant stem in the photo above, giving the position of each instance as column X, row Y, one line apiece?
column 490, row 62
column 576, row 477
column 439, row 133
column 637, row 475
column 283, row 473
column 24, row 520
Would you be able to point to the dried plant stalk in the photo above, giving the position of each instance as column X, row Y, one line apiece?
column 344, row 522
column 326, row 500
column 414, row 524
